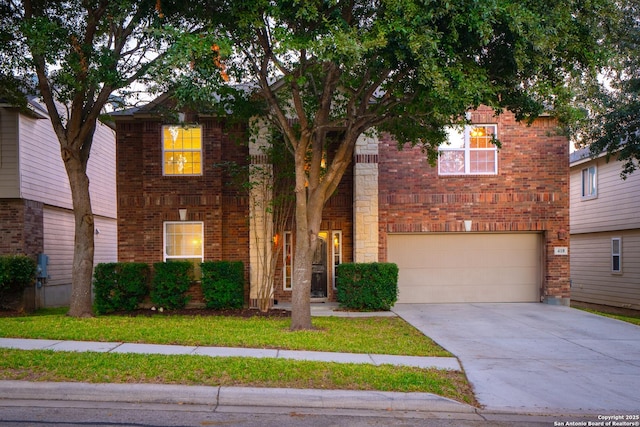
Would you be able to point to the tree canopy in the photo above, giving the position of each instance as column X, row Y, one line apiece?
column 614, row 124
column 407, row 67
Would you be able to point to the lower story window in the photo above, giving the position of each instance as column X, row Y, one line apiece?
column 336, row 249
column 287, row 261
column 616, row 255
column 184, row 241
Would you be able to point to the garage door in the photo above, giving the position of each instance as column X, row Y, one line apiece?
column 449, row 268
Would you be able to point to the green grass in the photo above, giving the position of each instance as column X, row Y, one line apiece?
column 229, row 371
column 625, row 318
column 377, row 335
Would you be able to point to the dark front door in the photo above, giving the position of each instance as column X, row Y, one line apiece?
column 319, row 269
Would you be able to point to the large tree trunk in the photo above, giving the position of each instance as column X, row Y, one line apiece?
column 308, row 214
column 82, row 270
column 301, row 289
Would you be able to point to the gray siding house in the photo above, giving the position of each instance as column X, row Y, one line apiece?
column 36, row 215
column 605, row 232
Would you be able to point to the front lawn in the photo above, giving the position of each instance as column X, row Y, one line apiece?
column 378, row 335
column 228, row 371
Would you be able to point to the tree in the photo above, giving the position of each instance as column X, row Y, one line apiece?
column 408, row 67
column 81, row 53
column 614, row 125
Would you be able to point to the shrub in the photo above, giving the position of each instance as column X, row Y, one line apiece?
column 171, row 281
column 120, row 286
column 16, row 272
column 371, row 286
column 223, row 284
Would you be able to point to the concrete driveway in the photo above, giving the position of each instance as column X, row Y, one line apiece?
column 536, row 357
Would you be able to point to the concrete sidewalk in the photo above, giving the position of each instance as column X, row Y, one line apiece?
column 448, row 363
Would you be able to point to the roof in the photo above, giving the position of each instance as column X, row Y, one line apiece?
column 583, row 155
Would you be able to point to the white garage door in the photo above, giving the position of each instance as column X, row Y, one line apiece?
column 449, row 268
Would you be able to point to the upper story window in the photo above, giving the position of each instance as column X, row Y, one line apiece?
column 589, row 182
column 469, row 152
column 182, row 150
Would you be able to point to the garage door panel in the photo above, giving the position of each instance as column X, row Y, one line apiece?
column 466, row 267
column 467, row 293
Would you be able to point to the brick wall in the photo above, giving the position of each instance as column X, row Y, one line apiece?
column 529, row 193
column 146, row 198
column 21, row 227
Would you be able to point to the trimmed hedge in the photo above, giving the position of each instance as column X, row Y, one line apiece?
column 120, row 286
column 16, row 272
column 367, row 286
column 171, row 281
column 223, row 284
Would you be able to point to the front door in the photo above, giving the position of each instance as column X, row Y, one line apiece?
column 319, row 268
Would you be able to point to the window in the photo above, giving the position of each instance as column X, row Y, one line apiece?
column 337, row 253
column 616, row 255
column 182, row 150
column 589, row 180
column 183, row 241
column 287, row 260
column 470, row 152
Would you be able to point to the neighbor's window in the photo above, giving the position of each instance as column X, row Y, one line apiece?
column 182, row 150
column 469, row 152
column 589, row 182
column 184, row 241
column 616, row 255
column 287, row 260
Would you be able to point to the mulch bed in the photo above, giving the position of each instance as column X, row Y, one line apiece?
column 243, row 312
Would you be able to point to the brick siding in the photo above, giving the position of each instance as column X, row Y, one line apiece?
column 146, row 198
column 21, row 227
column 530, row 193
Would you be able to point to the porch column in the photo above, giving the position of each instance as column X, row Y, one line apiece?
column 365, row 195
column 260, row 219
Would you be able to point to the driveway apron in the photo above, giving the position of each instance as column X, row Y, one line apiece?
column 537, row 357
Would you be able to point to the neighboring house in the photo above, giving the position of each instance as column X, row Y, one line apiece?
column 484, row 225
column 605, row 232
column 36, row 215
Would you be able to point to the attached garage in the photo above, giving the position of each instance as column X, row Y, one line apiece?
column 467, row 267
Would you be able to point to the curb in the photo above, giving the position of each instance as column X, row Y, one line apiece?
column 231, row 396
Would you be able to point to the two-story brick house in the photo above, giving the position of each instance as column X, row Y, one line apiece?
column 482, row 225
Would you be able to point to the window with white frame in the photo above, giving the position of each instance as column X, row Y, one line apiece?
column 471, row 151
column 287, row 260
column 589, row 182
column 182, row 150
column 184, row 241
column 616, row 255
column 336, row 250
